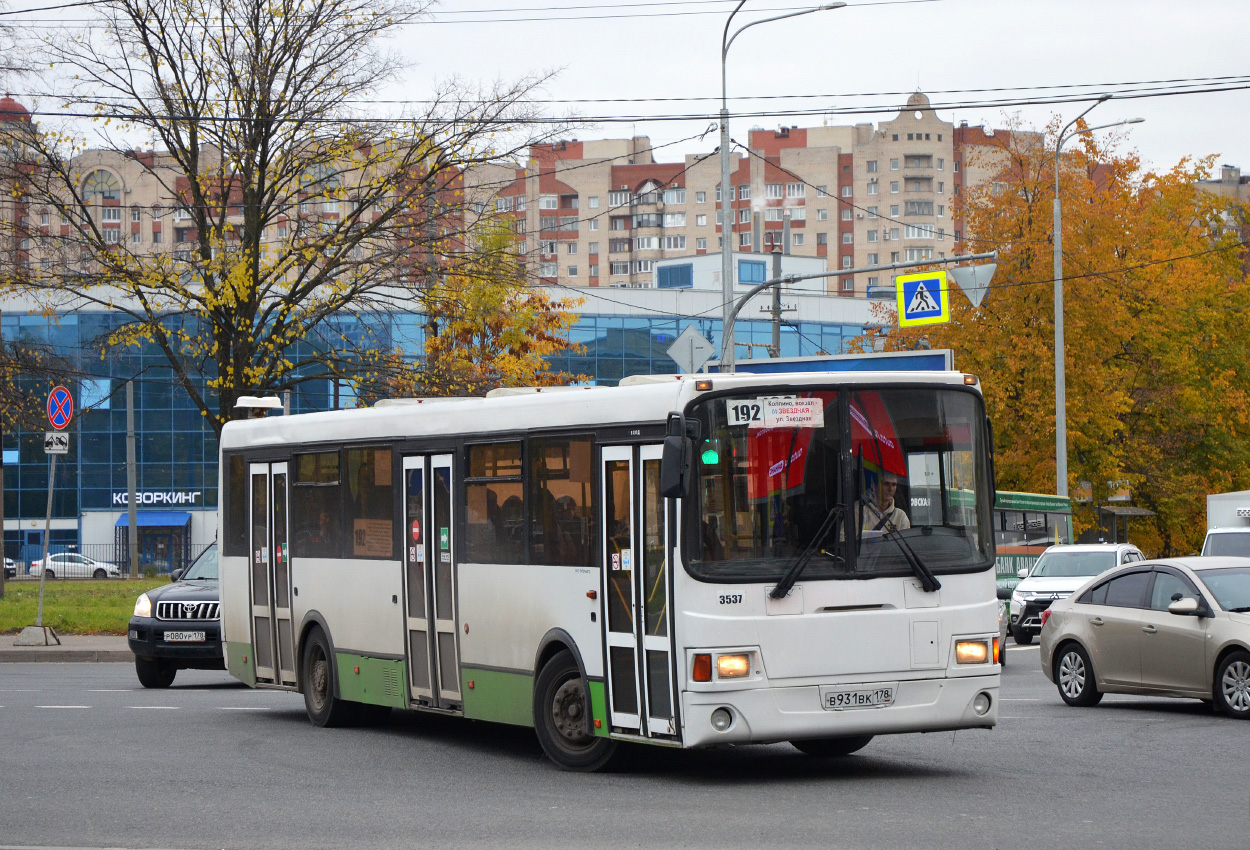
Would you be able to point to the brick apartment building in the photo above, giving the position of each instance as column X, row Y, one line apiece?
column 602, row 212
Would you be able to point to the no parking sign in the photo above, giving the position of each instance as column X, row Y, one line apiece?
column 60, row 408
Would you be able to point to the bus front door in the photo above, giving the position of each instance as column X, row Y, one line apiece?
column 638, row 624
column 271, row 575
column 429, row 585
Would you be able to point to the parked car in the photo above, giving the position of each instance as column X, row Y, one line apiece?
column 1059, row 571
column 10, row 568
column 74, row 565
column 1172, row 628
column 1003, row 596
column 178, row 626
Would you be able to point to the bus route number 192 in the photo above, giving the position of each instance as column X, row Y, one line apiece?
column 745, row 412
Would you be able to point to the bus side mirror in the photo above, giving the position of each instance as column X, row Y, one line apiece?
column 675, row 467
column 675, row 461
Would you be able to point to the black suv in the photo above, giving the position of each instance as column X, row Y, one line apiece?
column 178, row 626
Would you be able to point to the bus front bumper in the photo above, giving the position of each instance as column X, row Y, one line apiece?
column 768, row 715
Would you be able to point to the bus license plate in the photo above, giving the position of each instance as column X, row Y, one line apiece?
column 840, row 699
column 184, row 637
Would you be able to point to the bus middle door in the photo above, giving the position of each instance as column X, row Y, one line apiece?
column 429, row 585
column 638, row 627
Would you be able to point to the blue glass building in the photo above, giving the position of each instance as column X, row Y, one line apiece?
column 176, row 450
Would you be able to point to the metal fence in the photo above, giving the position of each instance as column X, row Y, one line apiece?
column 92, row 557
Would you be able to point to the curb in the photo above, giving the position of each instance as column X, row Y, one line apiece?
column 63, row 655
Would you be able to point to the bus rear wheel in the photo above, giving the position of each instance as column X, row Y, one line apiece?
column 562, row 717
column 832, row 747
column 323, row 706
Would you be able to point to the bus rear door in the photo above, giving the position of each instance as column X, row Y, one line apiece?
column 271, row 575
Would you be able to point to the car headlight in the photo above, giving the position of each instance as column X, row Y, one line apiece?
column 1017, row 599
column 143, row 606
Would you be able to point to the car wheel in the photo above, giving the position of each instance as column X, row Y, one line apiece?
column 832, row 747
column 1074, row 676
column 1232, row 685
column 323, row 707
column 49, row 574
column 153, row 673
column 562, row 717
column 1022, row 637
column 99, row 573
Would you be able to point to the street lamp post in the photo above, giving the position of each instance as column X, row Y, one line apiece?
column 1061, row 402
column 726, row 227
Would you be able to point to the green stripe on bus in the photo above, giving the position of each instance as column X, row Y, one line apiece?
column 498, row 696
column 377, row 681
column 599, row 708
column 240, row 663
column 1007, row 501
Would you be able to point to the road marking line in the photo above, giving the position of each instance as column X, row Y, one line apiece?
column 19, row 690
column 62, row 706
column 157, row 707
column 243, row 708
column 1017, row 699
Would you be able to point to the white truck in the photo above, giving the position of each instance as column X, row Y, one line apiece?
column 1228, row 524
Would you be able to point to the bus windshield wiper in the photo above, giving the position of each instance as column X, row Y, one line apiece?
column 800, row 563
column 928, row 580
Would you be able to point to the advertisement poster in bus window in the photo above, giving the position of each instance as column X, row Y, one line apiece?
column 873, row 438
column 777, row 456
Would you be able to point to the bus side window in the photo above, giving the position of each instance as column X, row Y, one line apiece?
column 234, row 540
column 316, row 520
column 562, row 502
column 494, row 505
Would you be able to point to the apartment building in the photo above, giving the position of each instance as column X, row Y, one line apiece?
column 603, row 212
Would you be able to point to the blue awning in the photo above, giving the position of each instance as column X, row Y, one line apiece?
column 156, row 519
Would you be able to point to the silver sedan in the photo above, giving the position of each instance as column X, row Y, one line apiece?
column 1171, row 628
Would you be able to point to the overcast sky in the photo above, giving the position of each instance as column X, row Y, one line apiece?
column 844, row 56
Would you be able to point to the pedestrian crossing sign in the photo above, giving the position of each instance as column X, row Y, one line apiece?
column 923, row 299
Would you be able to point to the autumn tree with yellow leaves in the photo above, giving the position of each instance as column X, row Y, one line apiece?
column 1155, row 324
column 300, row 207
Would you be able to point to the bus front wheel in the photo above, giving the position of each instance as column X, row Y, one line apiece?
column 832, row 747
column 562, row 717
column 323, row 706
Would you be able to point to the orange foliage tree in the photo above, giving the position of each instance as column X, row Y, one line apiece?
column 1156, row 338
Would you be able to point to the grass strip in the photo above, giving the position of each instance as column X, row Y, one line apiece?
column 86, row 607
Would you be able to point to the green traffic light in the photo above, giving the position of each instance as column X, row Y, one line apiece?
column 710, row 457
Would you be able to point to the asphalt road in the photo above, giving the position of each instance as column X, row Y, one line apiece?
column 90, row 759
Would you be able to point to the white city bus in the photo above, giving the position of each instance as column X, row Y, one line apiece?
column 677, row 561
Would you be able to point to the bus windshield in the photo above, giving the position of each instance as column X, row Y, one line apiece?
column 857, row 478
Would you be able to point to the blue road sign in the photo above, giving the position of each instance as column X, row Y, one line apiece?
column 60, row 408
column 923, row 299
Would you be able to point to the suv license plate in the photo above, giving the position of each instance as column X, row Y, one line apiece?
column 184, row 637
column 840, row 699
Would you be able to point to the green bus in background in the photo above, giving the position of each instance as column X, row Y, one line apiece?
column 1025, row 525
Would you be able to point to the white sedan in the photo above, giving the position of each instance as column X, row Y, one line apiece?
column 73, row 565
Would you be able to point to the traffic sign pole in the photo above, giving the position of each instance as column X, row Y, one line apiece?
column 47, row 533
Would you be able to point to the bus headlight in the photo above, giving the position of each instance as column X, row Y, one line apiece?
column 733, row 666
column 972, row 652
column 143, row 606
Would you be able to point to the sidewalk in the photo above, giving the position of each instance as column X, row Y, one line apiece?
column 72, row 648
